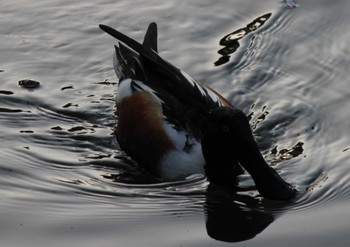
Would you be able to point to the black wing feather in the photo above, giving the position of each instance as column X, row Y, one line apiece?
column 160, row 73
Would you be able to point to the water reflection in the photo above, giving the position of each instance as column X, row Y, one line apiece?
column 231, row 217
column 287, row 154
column 230, row 41
column 231, row 214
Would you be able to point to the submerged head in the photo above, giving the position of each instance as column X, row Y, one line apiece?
column 227, row 141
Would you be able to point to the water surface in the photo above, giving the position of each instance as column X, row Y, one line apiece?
column 64, row 180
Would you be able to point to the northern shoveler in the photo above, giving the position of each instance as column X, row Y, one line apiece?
column 176, row 126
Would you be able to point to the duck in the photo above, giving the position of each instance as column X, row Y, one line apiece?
column 175, row 126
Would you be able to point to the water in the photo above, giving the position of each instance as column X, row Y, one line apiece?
column 64, row 180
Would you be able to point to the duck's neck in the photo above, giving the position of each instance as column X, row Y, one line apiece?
column 268, row 182
column 220, row 168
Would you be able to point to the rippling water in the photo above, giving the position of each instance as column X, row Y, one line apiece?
column 64, row 180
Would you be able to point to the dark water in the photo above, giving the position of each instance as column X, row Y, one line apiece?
column 64, row 181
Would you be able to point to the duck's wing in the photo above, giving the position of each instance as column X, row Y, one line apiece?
column 142, row 62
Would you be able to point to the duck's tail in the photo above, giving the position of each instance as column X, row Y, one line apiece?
column 142, row 62
column 151, row 37
column 126, row 61
column 143, row 50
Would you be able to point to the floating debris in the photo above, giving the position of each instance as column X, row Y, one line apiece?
column 29, row 83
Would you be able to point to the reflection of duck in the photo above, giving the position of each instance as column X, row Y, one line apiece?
column 233, row 218
column 169, row 119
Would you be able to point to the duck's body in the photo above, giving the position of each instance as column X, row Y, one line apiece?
column 176, row 126
column 149, row 136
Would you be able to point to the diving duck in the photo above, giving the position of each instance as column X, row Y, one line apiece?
column 175, row 126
